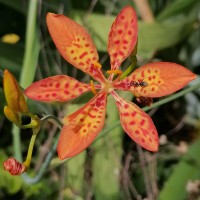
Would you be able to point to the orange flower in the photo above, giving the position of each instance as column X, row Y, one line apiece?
column 152, row 80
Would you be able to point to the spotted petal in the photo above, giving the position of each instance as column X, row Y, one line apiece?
column 137, row 124
column 74, row 44
column 82, row 127
column 56, row 88
column 158, row 79
column 122, row 37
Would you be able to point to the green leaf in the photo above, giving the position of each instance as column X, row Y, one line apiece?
column 187, row 169
column 177, row 7
column 11, row 183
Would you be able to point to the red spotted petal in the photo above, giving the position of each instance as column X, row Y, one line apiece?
column 74, row 44
column 82, row 127
column 122, row 37
column 137, row 124
column 156, row 79
column 56, row 88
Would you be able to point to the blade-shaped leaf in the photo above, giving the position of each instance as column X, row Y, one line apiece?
column 156, row 79
column 56, row 88
column 137, row 124
column 74, row 44
column 82, row 127
column 122, row 37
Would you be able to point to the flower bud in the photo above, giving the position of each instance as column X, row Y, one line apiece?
column 14, row 167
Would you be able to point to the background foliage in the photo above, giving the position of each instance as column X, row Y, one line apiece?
column 113, row 167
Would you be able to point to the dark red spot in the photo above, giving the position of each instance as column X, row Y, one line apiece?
column 129, row 32
column 126, row 114
column 80, row 90
column 72, row 51
column 66, row 85
column 125, row 41
column 50, row 84
column 98, row 122
column 66, row 92
column 153, row 132
column 75, row 58
column 149, row 78
column 94, row 126
column 99, row 117
column 122, row 17
column 116, row 41
column 142, row 122
column 78, row 39
column 137, row 132
column 143, row 140
column 115, row 55
column 133, row 114
column 149, row 71
column 39, row 96
column 152, row 89
column 121, row 53
column 156, row 71
column 153, row 77
column 81, row 64
column 142, row 73
column 159, row 82
column 150, row 140
column 53, row 94
column 94, row 58
column 76, row 85
column 43, row 85
column 89, row 124
column 132, row 123
column 91, row 51
column 87, row 45
column 47, row 95
column 92, row 116
column 124, row 47
column 83, row 54
column 82, row 119
column 57, row 85
column 126, row 106
column 84, row 130
column 120, row 31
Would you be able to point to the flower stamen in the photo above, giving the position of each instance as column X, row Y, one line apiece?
column 92, row 87
column 97, row 65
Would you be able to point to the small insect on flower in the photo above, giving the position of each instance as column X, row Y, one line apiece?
column 138, row 83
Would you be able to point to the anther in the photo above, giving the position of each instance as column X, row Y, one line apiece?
column 116, row 71
column 97, row 65
column 92, row 87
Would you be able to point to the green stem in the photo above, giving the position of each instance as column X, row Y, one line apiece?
column 29, row 180
column 53, row 119
column 28, row 69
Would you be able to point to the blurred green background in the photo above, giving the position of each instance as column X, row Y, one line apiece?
column 113, row 167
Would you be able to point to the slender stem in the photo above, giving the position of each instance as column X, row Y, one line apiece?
column 53, row 119
column 30, row 150
column 36, row 179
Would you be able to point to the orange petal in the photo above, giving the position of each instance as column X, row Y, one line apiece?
column 158, row 79
column 74, row 44
column 82, row 127
column 56, row 88
column 137, row 124
column 122, row 37
column 13, row 94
